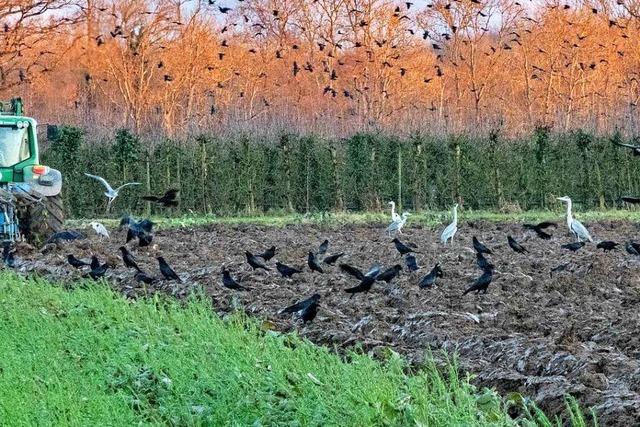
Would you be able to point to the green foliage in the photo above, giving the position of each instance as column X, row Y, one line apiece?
column 304, row 173
column 90, row 357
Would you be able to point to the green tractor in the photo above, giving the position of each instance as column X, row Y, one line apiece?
column 30, row 200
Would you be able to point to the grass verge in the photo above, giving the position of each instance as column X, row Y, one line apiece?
column 426, row 218
column 90, row 357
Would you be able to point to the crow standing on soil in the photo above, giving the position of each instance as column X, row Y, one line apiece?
column 365, row 284
column 97, row 270
column 129, row 260
column 268, row 254
column 479, row 247
column 142, row 230
column 306, row 309
column 75, row 262
column 513, row 244
column 402, row 248
column 573, row 246
column 229, row 282
column 255, row 262
column 167, row 271
column 411, row 262
column 389, row 274
column 322, row 249
column 632, row 248
column 430, row 279
column 285, row 270
column 607, row 245
column 482, row 283
column 313, row 263
column 539, row 229
column 482, row 262
column 168, row 200
column 330, row 260
column 143, row 277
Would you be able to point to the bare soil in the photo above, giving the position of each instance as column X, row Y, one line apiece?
column 573, row 332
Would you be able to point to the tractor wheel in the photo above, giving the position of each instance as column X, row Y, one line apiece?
column 43, row 219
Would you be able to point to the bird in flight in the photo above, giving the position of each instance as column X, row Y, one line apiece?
column 539, row 229
column 167, row 200
column 110, row 193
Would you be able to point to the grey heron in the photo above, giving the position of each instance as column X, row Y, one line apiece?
column 110, row 193
column 396, row 226
column 575, row 226
column 452, row 228
column 394, row 216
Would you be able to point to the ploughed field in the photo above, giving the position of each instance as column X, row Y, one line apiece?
column 542, row 334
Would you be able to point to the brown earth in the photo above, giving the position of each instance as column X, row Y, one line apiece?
column 575, row 332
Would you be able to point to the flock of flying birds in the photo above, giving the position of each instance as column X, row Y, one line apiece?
column 329, row 47
column 317, row 261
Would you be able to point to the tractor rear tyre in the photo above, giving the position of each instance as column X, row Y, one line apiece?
column 43, row 219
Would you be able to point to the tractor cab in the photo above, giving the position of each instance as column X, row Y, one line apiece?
column 19, row 157
column 29, row 191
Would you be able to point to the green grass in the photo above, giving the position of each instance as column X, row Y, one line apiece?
column 90, row 357
column 426, row 218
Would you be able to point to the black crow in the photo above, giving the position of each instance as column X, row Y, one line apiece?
column 631, row 199
column 285, row 270
column 255, row 262
column 365, row 284
column 167, row 200
column 479, row 247
column 634, row 148
column 430, row 279
column 229, row 283
column 607, row 245
column 402, row 248
column 166, row 270
column 95, row 263
column 322, row 249
column 75, row 262
column 481, row 283
column 389, row 274
column 632, row 248
column 129, row 260
column 97, row 271
column 573, row 246
column 538, row 228
column 268, row 254
column 143, row 277
column 352, row 271
column 330, row 260
column 411, row 262
column 305, row 309
column 515, row 245
column 313, row 263
column 482, row 262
